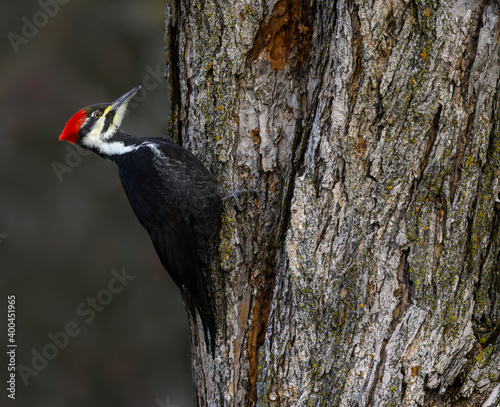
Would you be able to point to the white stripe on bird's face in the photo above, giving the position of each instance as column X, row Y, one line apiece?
column 98, row 139
column 119, row 114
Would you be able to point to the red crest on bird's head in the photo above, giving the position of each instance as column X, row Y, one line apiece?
column 70, row 132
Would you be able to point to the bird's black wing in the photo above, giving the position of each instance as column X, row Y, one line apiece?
column 192, row 189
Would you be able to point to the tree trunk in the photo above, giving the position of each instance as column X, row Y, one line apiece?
column 366, row 273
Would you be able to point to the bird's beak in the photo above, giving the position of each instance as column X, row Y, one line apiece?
column 123, row 100
column 118, row 108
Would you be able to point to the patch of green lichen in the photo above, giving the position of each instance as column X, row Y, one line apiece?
column 483, row 356
column 226, row 250
column 453, row 317
column 216, row 104
column 204, row 20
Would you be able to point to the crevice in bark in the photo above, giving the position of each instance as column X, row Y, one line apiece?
column 302, row 133
column 222, row 27
column 257, row 334
column 385, row 47
column 290, row 186
column 484, row 255
column 404, row 384
column 440, row 229
column 492, row 336
column 470, row 231
column 403, row 291
column 357, row 45
column 404, row 301
column 490, row 151
column 299, row 145
column 439, row 238
column 470, row 54
column 172, row 72
column 452, row 396
column 455, row 171
column 431, row 139
column 323, row 232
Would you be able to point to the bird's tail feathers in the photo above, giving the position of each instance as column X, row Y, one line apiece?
column 206, row 316
column 209, row 329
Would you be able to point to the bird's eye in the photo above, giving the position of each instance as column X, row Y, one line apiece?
column 97, row 115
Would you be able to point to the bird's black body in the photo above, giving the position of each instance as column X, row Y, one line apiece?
column 174, row 196
column 176, row 200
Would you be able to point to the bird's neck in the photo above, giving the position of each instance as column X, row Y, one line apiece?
column 114, row 146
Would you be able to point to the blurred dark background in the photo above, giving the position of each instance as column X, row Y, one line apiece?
column 65, row 222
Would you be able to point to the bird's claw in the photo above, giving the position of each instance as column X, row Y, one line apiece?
column 235, row 195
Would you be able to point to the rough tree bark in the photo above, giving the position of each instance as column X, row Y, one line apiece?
column 366, row 273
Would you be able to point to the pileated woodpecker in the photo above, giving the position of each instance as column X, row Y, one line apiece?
column 173, row 195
